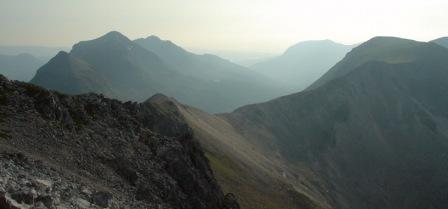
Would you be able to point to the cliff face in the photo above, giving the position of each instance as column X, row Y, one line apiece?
column 93, row 152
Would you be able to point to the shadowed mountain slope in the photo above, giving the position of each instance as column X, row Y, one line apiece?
column 242, row 167
column 383, row 49
column 376, row 134
column 374, row 137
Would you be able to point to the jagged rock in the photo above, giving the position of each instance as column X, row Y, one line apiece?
column 42, row 185
column 40, row 205
column 82, row 203
column 231, row 202
column 27, row 197
column 5, row 203
column 47, row 200
column 129, row 150
column 102, row 199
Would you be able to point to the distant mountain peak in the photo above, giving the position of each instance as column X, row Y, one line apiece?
column 154, row 37
column 61, row 54
column 108, row 43
column 157, row 41
column 317, row 44
column 389, row 41
column 114, row 35
column 111, row 37
column 158, row 97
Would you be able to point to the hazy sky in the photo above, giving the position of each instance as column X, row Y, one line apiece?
column 237, row 25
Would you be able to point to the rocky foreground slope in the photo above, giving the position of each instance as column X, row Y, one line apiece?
column 59, row 151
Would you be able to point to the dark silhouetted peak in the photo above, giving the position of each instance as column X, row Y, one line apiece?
column 61, row 54
column 108, row 43
column 153, row 37
column 161, row 47
column 158, row 97
column 163, row 102
column 114, row 35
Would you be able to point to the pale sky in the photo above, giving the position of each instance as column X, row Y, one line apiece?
column 232, row 25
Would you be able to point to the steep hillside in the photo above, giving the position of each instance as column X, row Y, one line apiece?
column 74, row 76
column 372, row 138
column 258, row 178
column 375, row 135
column 384, row 49
column 303, row 63
column 20, row 67
column 86, row 151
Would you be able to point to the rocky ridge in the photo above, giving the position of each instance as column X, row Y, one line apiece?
column 94, row 152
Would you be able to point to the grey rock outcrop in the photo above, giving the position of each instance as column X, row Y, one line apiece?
column 88, row 151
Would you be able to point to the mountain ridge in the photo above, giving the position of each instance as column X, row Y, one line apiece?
column 353, row 126
column 381, row 48
column 132, row 72
column 88, row 151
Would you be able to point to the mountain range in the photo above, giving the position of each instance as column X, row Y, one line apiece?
column 20, row 67
column 135, row 70
column 303, row 63
column 43, row 53
column 369, row 133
